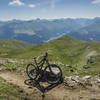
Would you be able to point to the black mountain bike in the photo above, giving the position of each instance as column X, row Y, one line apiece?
column 51, row 73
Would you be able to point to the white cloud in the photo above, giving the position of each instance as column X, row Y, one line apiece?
column 95, row 1
column 32, row 5
column 16, row 3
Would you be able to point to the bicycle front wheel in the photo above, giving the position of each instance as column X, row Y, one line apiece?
column 53, row 74
column 31, row 71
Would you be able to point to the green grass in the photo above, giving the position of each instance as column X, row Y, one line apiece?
column 13, row 65
column 11, row 45
column 65, row 50
column 93, row 69
column 8, row 91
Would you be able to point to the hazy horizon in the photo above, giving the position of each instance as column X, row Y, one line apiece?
column 51, row 18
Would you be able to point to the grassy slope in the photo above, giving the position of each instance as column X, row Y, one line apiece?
column 11, row 45
column 60, row 49
column 66, row 50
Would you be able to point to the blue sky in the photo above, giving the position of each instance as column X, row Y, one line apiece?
column 48, row 9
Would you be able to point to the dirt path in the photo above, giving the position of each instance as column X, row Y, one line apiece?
column 60, row 92
column 16, row 79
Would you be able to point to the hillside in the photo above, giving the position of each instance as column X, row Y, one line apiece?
column 11, row 45
column 88, row 33
column 65, row 51
column 84, row 57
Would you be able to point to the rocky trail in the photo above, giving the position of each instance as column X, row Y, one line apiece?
column 73, row 88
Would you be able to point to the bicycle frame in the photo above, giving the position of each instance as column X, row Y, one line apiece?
column 39, row 67
column 41, row 63
column 42, row 72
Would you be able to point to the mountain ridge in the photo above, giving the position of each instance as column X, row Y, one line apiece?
column 83, row 56
column 39, row 31
column 88, row 33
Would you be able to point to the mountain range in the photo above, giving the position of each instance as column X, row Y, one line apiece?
column 40, row 30
column 89, row 33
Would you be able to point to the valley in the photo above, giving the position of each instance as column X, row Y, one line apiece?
column 39, row 31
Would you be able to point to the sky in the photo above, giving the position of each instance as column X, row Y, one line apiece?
column 48, row 9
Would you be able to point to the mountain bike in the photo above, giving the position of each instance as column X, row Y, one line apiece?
column 51, row 73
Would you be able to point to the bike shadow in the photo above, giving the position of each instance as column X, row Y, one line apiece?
column 41, row 84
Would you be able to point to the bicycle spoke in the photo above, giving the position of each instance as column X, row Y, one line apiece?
column 53, row 74
column 31, row 71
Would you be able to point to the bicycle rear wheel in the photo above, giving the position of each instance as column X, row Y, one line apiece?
column 31, row 71
column 53, row 74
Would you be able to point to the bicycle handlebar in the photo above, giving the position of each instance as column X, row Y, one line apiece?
column 45, row 56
